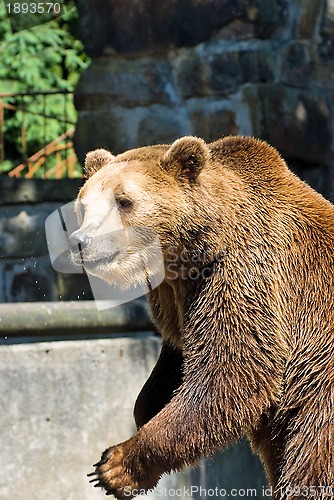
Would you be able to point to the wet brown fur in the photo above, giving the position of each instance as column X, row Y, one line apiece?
column 250, row 349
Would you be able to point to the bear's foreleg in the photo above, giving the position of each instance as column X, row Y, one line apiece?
column 176, row 436
column 208, row 411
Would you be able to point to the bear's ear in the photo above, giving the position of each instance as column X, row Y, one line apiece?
column 186, row 157
column 95, row 160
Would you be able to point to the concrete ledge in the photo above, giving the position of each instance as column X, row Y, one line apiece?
column 14, row 190
column 63, row 403
column 64, row 318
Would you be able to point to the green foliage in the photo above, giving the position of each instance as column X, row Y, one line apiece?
column 42, row 58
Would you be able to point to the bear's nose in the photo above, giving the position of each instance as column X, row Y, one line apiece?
column 77, row 242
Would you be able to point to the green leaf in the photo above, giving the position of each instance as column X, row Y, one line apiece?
column 45, row 57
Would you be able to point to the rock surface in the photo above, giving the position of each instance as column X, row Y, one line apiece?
column 130, row 27
column 165, row 69
column 26, row 273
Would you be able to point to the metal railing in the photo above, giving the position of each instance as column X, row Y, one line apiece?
column 62, row 166
column 55, row 159
column 71, row 320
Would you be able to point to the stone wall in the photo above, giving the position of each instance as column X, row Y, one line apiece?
column 26, row 274
column 165, row 69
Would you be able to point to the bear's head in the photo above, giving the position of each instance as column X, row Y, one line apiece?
column 137, row 206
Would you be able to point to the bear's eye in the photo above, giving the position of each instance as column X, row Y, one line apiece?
column 124, row 203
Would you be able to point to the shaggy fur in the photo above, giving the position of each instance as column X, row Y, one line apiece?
column 247, row 326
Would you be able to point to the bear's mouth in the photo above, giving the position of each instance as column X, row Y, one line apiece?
column 91, row 263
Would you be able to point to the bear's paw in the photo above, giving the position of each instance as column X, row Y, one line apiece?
column 112, row 473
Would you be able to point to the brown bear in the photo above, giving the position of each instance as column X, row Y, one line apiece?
column 245, row 310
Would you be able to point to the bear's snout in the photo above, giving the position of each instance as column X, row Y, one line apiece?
column 78, row 241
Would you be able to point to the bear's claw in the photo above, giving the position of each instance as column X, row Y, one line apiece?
column 94, row 480
column 110, row 473
column 117, row 475
column 101, row 462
